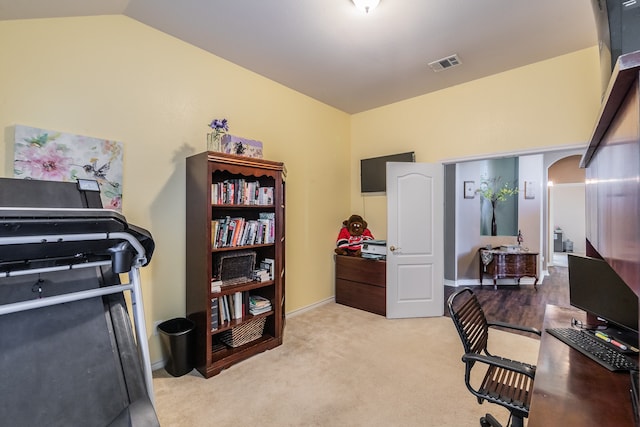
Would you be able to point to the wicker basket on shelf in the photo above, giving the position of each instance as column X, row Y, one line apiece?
column 244, row 333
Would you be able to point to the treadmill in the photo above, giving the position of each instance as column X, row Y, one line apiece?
column 68, row 353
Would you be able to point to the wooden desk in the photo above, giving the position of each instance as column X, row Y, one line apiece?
column 362, row 283
column 508, row 264
column 572, row 390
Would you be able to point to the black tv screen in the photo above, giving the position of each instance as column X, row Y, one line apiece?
column 373, row 171
column 596, row 288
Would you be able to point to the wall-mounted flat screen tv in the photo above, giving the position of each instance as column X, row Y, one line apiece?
column 373, row 171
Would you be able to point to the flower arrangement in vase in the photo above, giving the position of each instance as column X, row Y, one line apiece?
column 219, row 128
column 494, row 191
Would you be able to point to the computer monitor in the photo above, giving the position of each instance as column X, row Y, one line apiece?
column 596, row 288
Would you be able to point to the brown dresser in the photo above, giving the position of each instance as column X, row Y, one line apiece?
column 361, row 283
column 504, row 264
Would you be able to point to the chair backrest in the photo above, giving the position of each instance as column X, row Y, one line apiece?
column 470, row 321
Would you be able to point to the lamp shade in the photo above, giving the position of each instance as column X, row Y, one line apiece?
column 366, row 5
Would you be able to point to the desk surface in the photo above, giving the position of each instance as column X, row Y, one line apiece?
column 572, row 390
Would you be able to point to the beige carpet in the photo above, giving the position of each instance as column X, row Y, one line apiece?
column 340, row 366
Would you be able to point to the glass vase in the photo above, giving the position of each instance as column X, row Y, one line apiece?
column 214, row 142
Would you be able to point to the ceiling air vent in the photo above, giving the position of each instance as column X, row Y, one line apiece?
column 444, row 63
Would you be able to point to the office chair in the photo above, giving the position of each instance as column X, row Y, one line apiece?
column 506, row 382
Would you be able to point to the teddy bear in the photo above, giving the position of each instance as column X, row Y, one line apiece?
column 354, row 231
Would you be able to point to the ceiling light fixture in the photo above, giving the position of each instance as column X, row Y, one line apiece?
column 366, row 5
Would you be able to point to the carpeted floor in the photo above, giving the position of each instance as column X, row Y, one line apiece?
column 339, row 366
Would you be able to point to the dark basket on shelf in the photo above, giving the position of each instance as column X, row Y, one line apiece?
column 234, row 267
column 245, row 333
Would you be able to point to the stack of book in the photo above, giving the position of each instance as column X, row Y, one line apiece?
column 216, row 286
column 258, row 304
column 268, row 264
column 261, row 275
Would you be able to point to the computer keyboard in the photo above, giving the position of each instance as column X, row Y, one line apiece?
column 594, row 348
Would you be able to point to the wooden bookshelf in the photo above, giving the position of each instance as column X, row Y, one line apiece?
column 203, row 205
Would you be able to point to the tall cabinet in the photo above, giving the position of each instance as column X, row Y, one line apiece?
column 223, row 187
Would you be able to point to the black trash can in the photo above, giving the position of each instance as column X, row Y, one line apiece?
column 176, row 336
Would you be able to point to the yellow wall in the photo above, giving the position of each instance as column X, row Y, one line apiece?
column 112, row 77
column 550, row 103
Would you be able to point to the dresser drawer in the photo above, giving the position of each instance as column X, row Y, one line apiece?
column 362, row 296
column 356, row 269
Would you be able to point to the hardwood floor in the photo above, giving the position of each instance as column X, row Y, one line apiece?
column 523, row 305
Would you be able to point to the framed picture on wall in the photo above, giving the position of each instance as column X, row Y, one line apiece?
column 469, row 189
column 51, row 155
column 529, row 190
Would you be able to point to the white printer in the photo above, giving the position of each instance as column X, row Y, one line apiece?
column 374, row 249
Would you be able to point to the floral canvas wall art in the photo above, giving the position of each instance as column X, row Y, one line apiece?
column 55, row 156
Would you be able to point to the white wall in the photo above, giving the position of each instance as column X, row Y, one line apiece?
column 568, row 213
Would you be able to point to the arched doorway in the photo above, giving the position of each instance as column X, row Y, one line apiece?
column 565, row 209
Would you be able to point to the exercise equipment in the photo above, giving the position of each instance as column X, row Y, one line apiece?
column 68, row 353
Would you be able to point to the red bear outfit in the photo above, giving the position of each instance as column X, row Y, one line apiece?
column 350, row 242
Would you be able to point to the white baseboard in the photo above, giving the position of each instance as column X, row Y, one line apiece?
column 158, row 365
column 310, row 307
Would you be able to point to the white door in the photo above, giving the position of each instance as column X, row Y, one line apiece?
column 415, row 261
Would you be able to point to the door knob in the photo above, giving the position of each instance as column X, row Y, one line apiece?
column 393, row 248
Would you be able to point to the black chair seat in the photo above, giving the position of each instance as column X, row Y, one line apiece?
column 507, row 388
column 506, row 382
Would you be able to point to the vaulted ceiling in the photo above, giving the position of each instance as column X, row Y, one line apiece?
column 350, row 60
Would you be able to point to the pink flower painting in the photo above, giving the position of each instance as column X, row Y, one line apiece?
column 55, row 156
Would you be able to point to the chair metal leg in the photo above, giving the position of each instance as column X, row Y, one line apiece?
column 517, row 422
column 489, row 421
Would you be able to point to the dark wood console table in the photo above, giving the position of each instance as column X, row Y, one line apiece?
column 572, row 390
column 502, row 264
column 361, row 283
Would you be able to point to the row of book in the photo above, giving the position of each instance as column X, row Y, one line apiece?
column 241, row 192
column 239, row 231
column 226, row 308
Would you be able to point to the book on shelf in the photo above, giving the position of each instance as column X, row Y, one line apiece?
column 222, row 230
column 224, row 309
column 214, row 314
column 215, row 224
column 233, row 223
column 232, row 307
column 221, row 315
column 266, row 196
column 237, row 304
